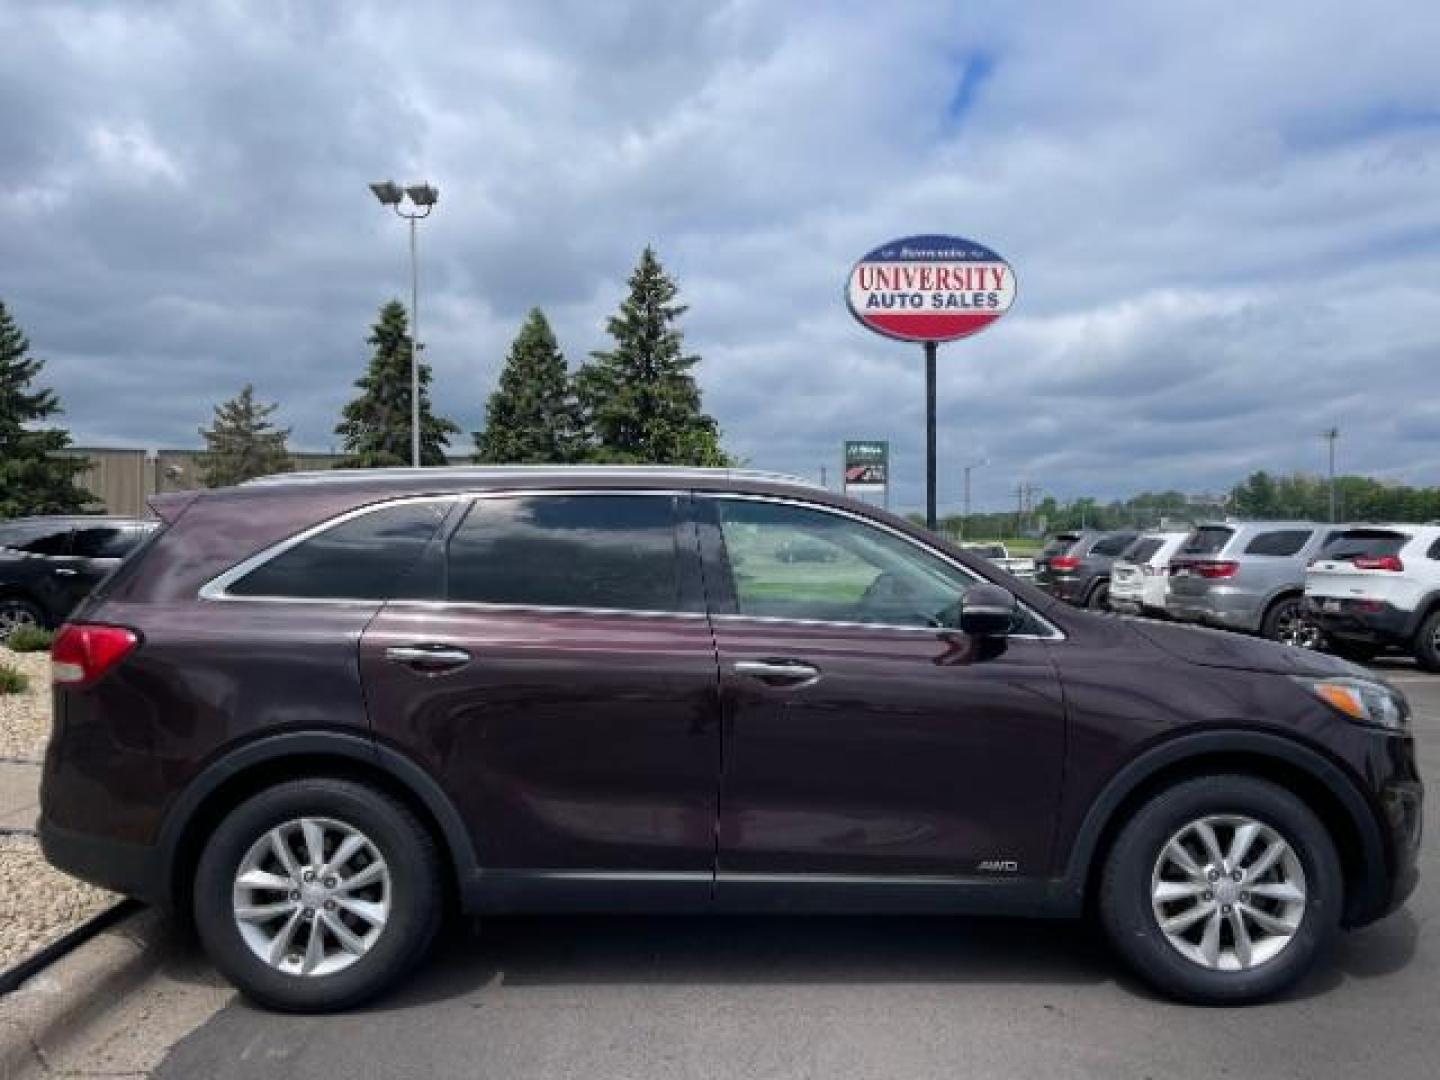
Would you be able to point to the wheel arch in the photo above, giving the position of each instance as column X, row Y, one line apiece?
column 1321, row 784
column 227, row 782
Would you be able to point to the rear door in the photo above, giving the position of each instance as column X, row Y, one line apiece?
column 38, row 566
column 562, row 690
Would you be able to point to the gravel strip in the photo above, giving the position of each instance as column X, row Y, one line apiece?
column 37, row 902
column 25, row 718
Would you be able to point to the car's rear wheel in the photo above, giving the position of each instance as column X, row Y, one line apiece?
column 1287, row 623
column 317, row 894
column 1099, row 598
column 1427, row 643
column 15, row 613
column 1222, row 890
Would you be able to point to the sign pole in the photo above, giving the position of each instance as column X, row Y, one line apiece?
column 930, row 350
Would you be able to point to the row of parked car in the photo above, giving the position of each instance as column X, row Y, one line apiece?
column 1354, row 589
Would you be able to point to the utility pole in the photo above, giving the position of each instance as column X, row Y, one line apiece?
column 824, row 477
column 1332, row 436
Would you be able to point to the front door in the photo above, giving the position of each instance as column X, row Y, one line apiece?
column 865, row 738
column 564, row 694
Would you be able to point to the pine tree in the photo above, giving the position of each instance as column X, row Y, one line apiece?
column 243, row 443
column 533, row 416
column 35, row 477
column 376, row 424
column 640, row 401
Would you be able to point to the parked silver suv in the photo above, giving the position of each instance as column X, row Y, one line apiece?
column 1248, row 575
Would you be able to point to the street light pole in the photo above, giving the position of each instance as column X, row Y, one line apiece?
column 1332, row 436
column 965, row 517
column 423, row 197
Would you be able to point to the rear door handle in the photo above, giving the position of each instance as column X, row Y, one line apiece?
column 779, row 672
column 432, row 659
column 65, row 571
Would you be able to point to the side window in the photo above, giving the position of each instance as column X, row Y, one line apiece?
column 613, row 552
column 1434, row 551
column 106, row 541
column 369, row 557
column 1281, row 542
column 36, row 539
column 794, row 562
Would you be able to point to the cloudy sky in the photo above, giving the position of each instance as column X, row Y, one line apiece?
column 1224, row 218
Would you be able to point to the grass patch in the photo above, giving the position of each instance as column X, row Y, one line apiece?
column 12, row 680
column 30, row 639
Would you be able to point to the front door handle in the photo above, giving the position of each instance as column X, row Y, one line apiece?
column 65, row 571
column 430, row 659
column 779, row 672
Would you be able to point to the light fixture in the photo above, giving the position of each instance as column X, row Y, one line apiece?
column 388, row 192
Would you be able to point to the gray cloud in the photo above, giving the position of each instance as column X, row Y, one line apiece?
column 1226, row 228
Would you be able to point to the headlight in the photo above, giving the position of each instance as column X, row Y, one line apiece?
column 1363, row 701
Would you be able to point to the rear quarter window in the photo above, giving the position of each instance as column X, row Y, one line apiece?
column 368, row 557
column 1279, row 542
column 1434, row 551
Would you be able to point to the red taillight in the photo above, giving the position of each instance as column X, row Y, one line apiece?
column 1379, row 562
column 84, row 652
column 1215, row 569
column 1065, row 562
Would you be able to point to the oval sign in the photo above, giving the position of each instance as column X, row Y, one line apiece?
column 930, row 288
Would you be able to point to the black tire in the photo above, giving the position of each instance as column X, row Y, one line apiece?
column 408, row 850
column 1125, row 889
column 1280, row 615
column 1099, row 596
column 1427, row 643
column 14, row 611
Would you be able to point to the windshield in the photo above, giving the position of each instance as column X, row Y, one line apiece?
column 1364, row 543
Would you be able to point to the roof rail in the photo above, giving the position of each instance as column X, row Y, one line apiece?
column 500, row 472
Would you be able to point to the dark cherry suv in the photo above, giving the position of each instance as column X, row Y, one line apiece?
column 315, row 707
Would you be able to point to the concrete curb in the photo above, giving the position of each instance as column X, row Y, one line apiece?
column 51, row 1006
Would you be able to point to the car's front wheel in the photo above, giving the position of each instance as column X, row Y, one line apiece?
column 318, row 894
column 1222, row 890
column 1099, row 598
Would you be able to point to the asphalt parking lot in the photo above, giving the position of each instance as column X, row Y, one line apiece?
column 844, row 997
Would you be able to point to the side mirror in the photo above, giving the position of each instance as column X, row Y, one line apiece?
column 987, row 611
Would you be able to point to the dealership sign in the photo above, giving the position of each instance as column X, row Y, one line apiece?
column 930, row 288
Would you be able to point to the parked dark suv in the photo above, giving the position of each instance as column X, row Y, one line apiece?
column 48, row 564
column 315, row 706
column 1075, row 566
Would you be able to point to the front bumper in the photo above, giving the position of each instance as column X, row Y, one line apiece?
column 1372, row 621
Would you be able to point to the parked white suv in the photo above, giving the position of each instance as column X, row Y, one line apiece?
column 1375, row 586
column 1140, row 579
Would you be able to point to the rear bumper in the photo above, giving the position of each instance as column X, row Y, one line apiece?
column 130, row 869
column 1068, row 587
column 1219, row 607
column 1373, row 621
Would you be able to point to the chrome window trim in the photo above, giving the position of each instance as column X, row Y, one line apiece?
column 1055, row 634
column 217, row 588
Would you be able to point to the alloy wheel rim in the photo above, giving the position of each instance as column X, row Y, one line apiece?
column 312, row 896
column 1293, row 628
column 1228, row 892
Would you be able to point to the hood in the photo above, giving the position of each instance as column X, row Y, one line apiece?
column 1223, row 649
